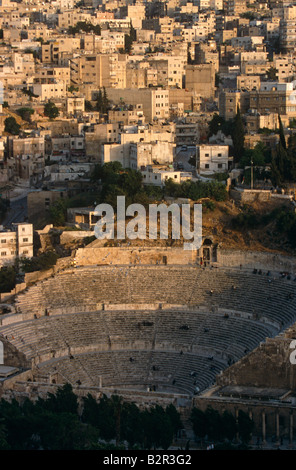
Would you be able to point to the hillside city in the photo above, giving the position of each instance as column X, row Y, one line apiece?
column 139, row 343
column 180, row 95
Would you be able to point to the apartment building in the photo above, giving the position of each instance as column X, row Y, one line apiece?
column 75, row 105
column 72, row 17
column 152, row 174
column 248, row 82
column 201, row 79
column 51, row 74
column 16, row 243
column 229, row 100
column 48, row 91
column 255, row 121
column 274, row 97
column 170, row 70
column 108, row 70
column 137, row 155
column 52, row 52
column 25, row 146
column 127, row 115
column 212, row 159
column 288, row 29
column 235, row 7
column 155, row 101
column 285, row 68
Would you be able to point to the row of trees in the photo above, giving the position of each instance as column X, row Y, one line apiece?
column 59, row 422
column 213, row 426
column 55, row 423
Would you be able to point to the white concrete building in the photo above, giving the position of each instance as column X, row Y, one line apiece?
column 212, row 159
column 16, row 243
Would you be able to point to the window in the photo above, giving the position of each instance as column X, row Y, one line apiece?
column 3, row 240
column 207, row 165
column 3, row 253
column 25, row 240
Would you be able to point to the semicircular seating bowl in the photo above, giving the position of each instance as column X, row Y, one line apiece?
column 140, row 345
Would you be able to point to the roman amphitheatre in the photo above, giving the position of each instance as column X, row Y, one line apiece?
column 159, row 324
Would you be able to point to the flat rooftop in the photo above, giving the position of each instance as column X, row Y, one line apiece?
column 6, row 371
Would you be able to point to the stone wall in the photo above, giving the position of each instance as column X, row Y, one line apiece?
column 118, row 255
column 12, row 356
column 258, row 260
column 8, row 295
column 268, row 366
column 71, row 235
column 249, row 196
column 178, row 256
column 62, row 263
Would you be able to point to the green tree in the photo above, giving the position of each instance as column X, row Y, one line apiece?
column 100, row 415
column 215, row 124
column 4, row 204
column 228, row 425
column 58, row 212
column 174, row 417
column 25, row 113
column 116, row 403
column 63, row 401
column 51, row 110
column 272, row 73
column 130, row 181
column 99, row 101
column 128, row 42
column 3, row 440
column 245, row 426
column 105, row 101
column 238, row 136
column 88, row 106
column 282, row 134
column 7, row 278
column 158, row 428
column 41, row 262
column 199, row 422
column 133, row 33
column 131, row 425
column 11, row 126
column 213, row 424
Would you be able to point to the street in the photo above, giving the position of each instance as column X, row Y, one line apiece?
column 17, row 211
column 182, row 157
